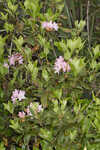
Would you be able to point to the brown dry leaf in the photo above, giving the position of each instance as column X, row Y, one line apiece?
column 49, row 29
column 35, row 48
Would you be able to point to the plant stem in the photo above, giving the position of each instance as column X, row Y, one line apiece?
column 88, row 30
column 68, row 14
column 92, row 28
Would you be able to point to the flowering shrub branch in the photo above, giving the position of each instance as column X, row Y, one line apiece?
column 49, row 79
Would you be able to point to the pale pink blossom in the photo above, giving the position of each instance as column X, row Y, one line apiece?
column 21, row 95
column 20, row 59
column 28, row 111
column 12, row 60
column 55, row 26
column 39, row 108
column 21, row 114
column 68, row 68
column 31, row 104
column 60, row 64
column 50, row 25
column 17, row 57
column 6, row 65
column 44, row 24
column 14, row 96
column 17, row 94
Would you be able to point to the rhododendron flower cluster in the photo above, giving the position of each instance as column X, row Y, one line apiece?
column 60, row 64
column 21, row 114
column 36, row 108
column 50, row 25
column 17, row 57
column 18, row 94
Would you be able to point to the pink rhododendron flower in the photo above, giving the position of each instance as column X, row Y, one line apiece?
column 12, row 60
column 15, row 58
column 20, row 59
column 28, row 111
column 21, row 95
column 55, row 26
column 44, row 24
column 50, row 25
column 21, row 114
column 17, row 94
column 60, row 64
column 40, row 108
column 35, row 107
column 14, row 96
column 6, row 65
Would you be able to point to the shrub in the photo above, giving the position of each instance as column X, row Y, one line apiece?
column 49, row 91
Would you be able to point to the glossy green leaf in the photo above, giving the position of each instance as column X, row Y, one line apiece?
column 9, row 107
column 45, row 74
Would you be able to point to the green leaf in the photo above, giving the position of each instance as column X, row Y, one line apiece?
column 44, row 100
column 67, row 54
column 2, row 43
column 4, row 16
column 56, row 108
column 45, row 44
column 35, row 147
column 18, row 148
column 45, row 74
column 3, row 70
column 80, row 25
column 2, row 146
column 97, row 100
column 96, row 51
column 97, row 124
column 8, row 27
column 15, row 125
column 78, row 65
column 46, row 146
column 63, row 104
column 75, row 44
column 13, row 147
column 12, row 7
column 9, row 107
column 61, row 45
column 73, row 134
column 32, row 67
column 19, row 41
column 27, row 139
column 86, row 125
column 33, row 6
column 57, row 93
column 46, row 134
column 93, row 64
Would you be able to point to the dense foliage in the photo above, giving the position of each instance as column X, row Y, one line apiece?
column 49, row 75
